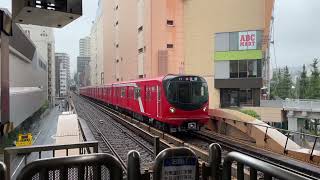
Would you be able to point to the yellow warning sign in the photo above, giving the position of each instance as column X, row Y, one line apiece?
column 24, row 140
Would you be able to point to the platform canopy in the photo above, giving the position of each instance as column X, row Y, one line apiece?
column 50, row 13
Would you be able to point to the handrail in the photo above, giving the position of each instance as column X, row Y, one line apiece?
column 255, row 165
column 9, row 152
column 3, row 170
column 83, row 167
column 287, row 133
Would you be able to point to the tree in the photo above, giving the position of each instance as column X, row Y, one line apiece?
column 276, row 78
column 314, row 88
column 285, row 85
column 303, row 84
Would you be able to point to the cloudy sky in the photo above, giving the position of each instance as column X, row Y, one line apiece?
column 297, row 32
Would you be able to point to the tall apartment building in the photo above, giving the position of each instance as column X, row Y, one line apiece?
column 62, row 71
column 97, row 50
column 83, row 60
column 84, row 46
column 225, row 42
column 43, row 38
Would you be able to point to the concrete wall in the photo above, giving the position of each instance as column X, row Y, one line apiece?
column 43, row 38
column 203, row 19
column 28, row 86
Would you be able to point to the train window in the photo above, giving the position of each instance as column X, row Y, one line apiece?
column 137, row 92
column 123, row 92
column 148, row 94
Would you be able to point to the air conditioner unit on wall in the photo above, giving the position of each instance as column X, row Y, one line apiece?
column 51, row 13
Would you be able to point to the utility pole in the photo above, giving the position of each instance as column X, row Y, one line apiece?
column 5, row 32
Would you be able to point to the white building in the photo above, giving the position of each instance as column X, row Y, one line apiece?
column 43, row 38
column 27, row 77
column 84, row 46
column 96, row 63
column 62, row 63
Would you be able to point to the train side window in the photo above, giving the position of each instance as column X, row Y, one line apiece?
column 137, row 93
column 123, row 92
column 148, row 94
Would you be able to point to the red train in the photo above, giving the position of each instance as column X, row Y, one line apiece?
column 172, row 103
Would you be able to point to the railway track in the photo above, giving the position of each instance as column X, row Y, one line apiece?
column 200, row 141
column 113, row 137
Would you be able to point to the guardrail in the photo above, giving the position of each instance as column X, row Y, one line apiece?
column 96, row 166
column 289, row 134
column 309, row 105
column 3, row 170
column 171, row 163
column 9, row 153
column 269, row 171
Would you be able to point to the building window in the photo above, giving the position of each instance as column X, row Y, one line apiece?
column 245, row 69
column 252, row 68
column 234, row 69
column 170, row 46
column 117, row 7
column 140, row 29
column 117, row 45
column 170, row 22
column 117, row 61
column 140, row 50
column 140, row 76
column 117, row 23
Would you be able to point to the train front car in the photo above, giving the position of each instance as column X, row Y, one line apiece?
column 186, row 106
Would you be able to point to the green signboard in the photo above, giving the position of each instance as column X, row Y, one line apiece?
column 238, row 55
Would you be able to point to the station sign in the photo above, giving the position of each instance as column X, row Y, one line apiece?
column 24, row 140
column 248, row 40
column 182, row 168
column 178, row 163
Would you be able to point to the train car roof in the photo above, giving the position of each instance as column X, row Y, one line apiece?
column 160, row 78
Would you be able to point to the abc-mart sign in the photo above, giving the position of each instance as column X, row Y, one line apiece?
column 247, row 40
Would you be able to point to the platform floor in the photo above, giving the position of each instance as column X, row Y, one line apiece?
column 68, row 132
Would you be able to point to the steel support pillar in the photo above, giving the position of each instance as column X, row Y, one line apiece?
column 5, row 96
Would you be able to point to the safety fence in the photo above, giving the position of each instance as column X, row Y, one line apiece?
column 24, row 152
column 178, row 163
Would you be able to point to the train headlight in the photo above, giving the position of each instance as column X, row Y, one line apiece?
column 205, row 109
column 172, row 109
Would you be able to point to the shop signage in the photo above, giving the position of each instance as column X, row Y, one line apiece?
column 248, row 40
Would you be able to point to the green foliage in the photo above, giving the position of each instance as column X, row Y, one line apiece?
column 251, row 113
column 306, row 87
column 314, row 88
column 281, row 84
column 303, row 83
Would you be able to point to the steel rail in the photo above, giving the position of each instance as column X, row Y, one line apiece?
column 104, row 110
column 105, row 140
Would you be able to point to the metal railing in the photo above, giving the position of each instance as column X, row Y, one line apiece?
column 309, row 105
column 289, row 135
column 182, row 161
column 3, row 170
column 9, row 153
column 269, row 171
column 216, row 169
column 95, row 166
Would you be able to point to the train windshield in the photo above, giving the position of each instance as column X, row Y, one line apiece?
column 187, row 93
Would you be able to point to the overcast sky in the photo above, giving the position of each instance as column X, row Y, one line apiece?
column 297, row 31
